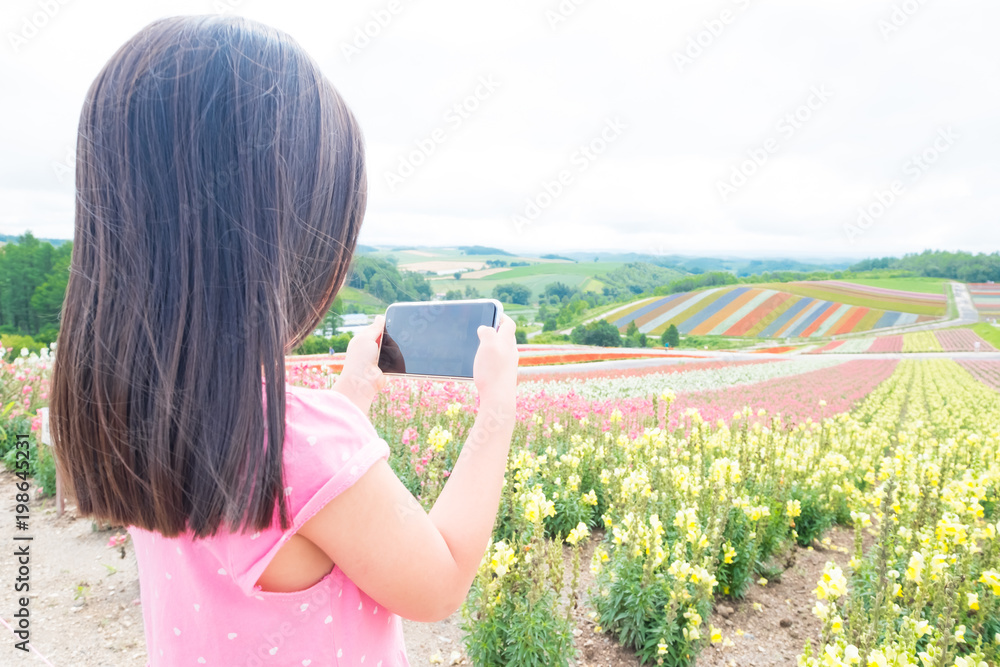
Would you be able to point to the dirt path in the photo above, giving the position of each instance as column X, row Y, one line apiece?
column 86, row 613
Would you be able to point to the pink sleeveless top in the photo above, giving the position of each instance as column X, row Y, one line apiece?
column 200, row 604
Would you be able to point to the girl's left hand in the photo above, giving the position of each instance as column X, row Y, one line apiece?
column 361, row 378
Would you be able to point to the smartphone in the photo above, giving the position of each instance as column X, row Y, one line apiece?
column 435, row 339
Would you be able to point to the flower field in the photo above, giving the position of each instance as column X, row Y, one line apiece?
column 685, row 480
column 986, row 297
column 945, row 340
column 770, row 312
column 689, row 494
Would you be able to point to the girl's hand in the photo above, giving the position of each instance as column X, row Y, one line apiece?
column 361, row 378
column 495, row 368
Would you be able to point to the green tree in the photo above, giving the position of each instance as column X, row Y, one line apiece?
column 512, row 293
column 671, row 337
column 601, row 333
column 453, row 295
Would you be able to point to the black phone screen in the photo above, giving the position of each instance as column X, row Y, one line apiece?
column 433, row 338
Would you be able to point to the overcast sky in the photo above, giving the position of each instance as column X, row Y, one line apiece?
column 722, row 127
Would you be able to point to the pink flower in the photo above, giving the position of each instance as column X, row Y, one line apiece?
column 27, row 389
column 117, row 540
column 409, row 435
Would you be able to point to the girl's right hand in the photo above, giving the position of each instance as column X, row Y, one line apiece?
column 495, row 367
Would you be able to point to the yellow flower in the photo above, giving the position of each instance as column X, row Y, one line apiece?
column 915, row 567
column 453, row 409
column 729, row 554
column 716, row 634
column 661, row 648
column 793, row 508
column 973, row 600
column 960, row 634
column 438, row 438
column 577, row 534
column 851, row 653
column 877, row 659
column 503, row 558
column 762, row 581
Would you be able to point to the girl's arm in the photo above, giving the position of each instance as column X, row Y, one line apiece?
column 418, row 564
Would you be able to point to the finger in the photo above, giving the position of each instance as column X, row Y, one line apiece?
column 373, row 330
column 484, row 332
column 507, row 326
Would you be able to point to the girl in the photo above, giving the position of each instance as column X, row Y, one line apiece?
column 220, row 190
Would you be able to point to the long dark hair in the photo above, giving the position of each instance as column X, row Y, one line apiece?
column 220, row 189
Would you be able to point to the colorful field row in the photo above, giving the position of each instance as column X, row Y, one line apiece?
column 528, row 356
column 919, row 303
column 986, row 298
column 693, row 380
column 947, row 340
column 757, row 311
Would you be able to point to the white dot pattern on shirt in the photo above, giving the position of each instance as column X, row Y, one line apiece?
column 222, row 571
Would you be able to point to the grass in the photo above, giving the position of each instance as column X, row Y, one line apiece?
column 714, row 343
column 362, row 301
column 535, row 277
column 988, row 332
column 914, row 284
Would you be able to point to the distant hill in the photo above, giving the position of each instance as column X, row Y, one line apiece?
column 482, row 250
column 739, row 266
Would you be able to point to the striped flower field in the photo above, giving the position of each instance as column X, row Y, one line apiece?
column 986, row 298
column 946, row 340
column 762, row 312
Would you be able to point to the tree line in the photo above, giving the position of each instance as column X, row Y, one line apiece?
column 33, row 279
column 963, row 266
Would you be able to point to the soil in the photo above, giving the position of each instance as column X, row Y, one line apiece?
column 85, row 608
